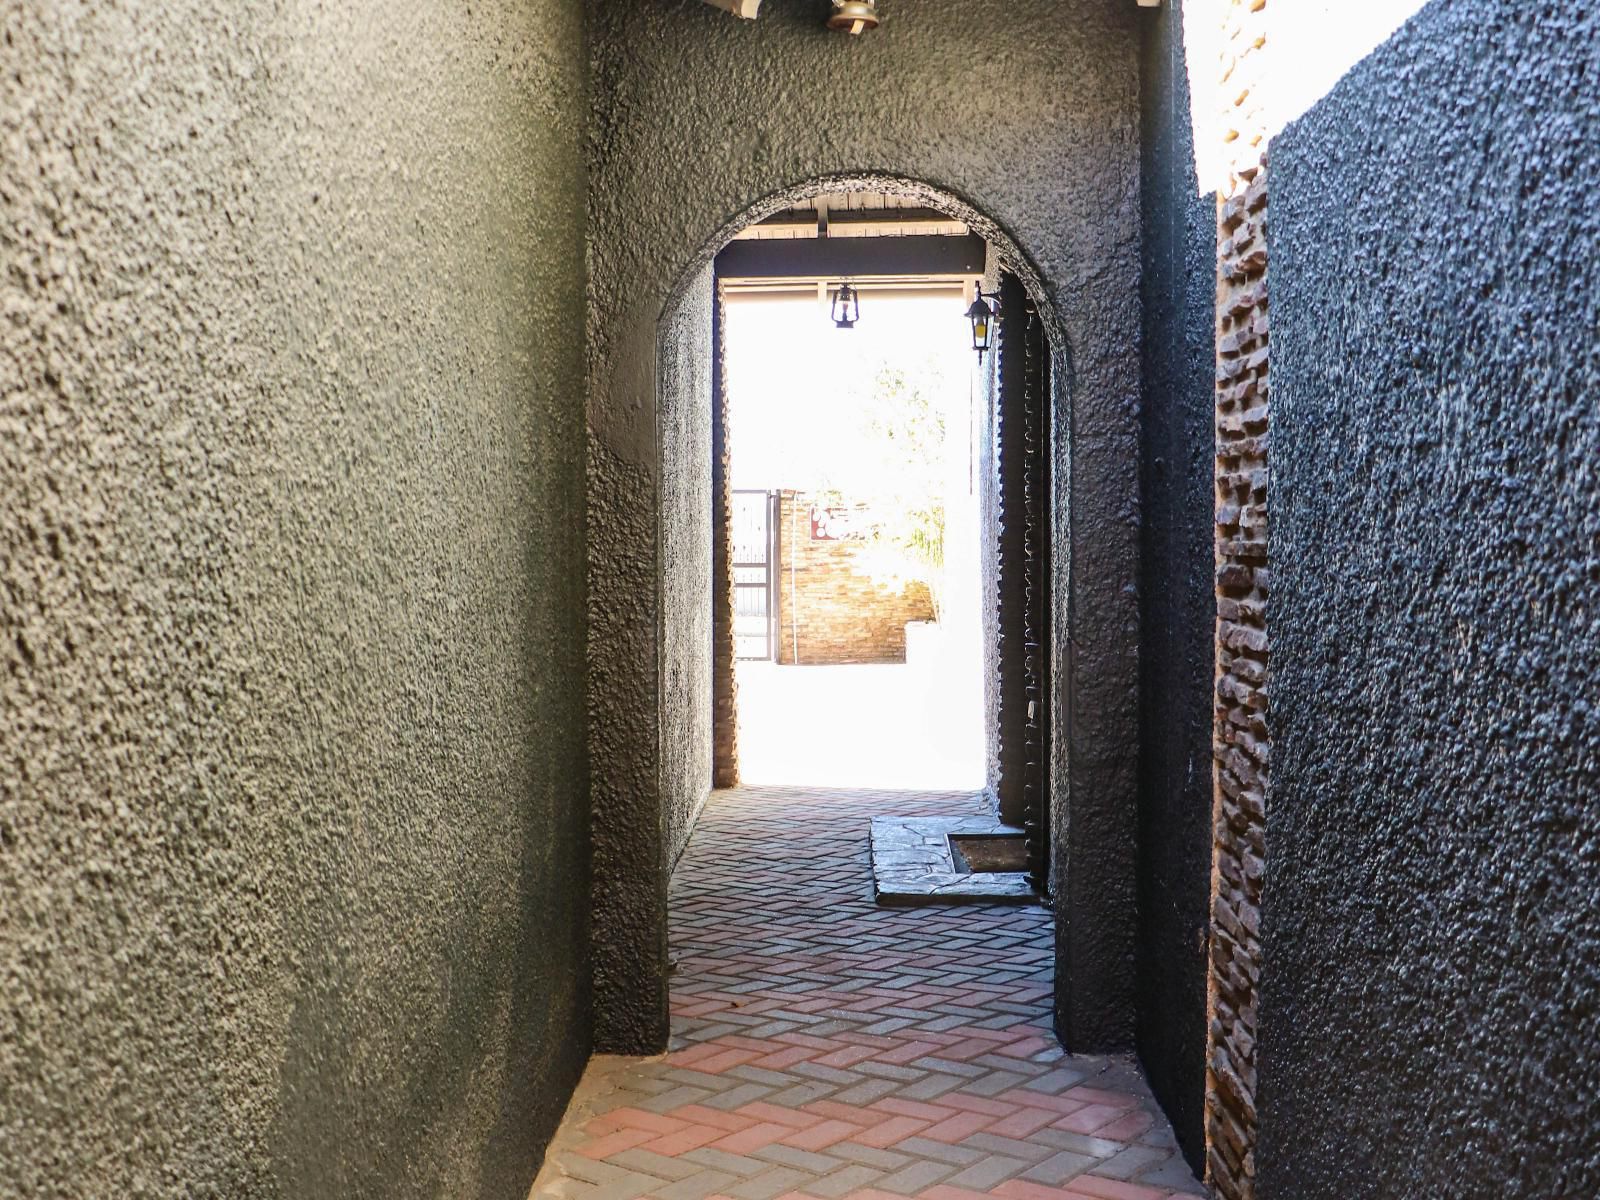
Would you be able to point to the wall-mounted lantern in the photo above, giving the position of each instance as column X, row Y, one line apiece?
column 846, row 307
column 854, row 15
column 984, row 317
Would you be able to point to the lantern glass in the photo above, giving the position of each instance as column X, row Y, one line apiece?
column 982, row 316
column 846, row 307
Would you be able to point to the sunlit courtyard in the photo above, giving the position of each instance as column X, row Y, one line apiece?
column 912, row 725
column 860, row 682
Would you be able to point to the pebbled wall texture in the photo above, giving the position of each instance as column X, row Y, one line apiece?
column 1014, row 401
column 1177, row 608
column 1025, row 117
column 292, row 819
column 986, row 400
column 687, row 365
column 1429, row 1020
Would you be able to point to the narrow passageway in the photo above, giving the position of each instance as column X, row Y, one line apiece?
column 829, row 1048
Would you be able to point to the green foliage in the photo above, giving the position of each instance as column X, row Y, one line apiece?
column 900, row 473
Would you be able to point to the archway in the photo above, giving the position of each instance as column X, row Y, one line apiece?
column 650, row 631
column 827, row 228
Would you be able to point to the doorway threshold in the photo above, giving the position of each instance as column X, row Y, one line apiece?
column 920, row 860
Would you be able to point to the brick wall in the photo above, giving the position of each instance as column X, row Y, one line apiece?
column 1240, row 734
column 836, row 611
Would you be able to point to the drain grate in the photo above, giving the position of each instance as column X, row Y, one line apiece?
column 987, row 853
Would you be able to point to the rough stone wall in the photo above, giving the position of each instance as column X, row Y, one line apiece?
column 1428, row 1016
column 292, row 819
column 686, row 400
column 830, row 608
column 1023, row 119
column 1240, row 737
column 1177, row 589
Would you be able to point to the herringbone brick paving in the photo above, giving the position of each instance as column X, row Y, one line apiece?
column 825, row 1048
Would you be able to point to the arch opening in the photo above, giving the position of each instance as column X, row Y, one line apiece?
column 1010, row 255
column 1019, row 712
column 696, row 734
column 1085, row 836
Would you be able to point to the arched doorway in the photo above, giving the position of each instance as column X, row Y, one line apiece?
column 652, row 718
column 851, row 411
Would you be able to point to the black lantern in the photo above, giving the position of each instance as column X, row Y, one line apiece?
column 846, row 307
column 984, row 316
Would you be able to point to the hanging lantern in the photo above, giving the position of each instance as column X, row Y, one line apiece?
column 984, row 317
column 854, row 15
column 846, row 307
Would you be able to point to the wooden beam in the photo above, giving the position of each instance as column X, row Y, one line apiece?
column 852, row 258
column 856, row 222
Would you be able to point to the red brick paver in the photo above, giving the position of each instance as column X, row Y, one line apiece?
column 825, row 1048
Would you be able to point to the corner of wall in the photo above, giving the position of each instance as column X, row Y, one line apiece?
column 1240, row 733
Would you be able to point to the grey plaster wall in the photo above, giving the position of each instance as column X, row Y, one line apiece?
column 685, row 471
column 1025, row 113
column 1178, row 609
column 1429, row 1020
column 292, row 818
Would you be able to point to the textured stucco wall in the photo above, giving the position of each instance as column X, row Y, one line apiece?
column 685, row 472
column 1178, row 609
column 1429, row 1019
column 1028, row 112
column 1013, row 441
column 986, row 401
column 292, row 871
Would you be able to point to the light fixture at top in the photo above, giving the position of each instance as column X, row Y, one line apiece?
column 846, row 307
column 854, row 15
column 984, row 316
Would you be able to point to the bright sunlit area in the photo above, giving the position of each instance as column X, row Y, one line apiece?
column 853, row 463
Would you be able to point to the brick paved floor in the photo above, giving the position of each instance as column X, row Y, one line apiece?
column 827, row 1049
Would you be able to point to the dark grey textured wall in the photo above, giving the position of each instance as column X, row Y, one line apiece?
column 1017, row 426
column 1430, row 1016
column 986, row 398
column 1027, row 113
column 685, row 415
column 1178, row 608
column 292, row 854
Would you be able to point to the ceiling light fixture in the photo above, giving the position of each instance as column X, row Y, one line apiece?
column 854, row 15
